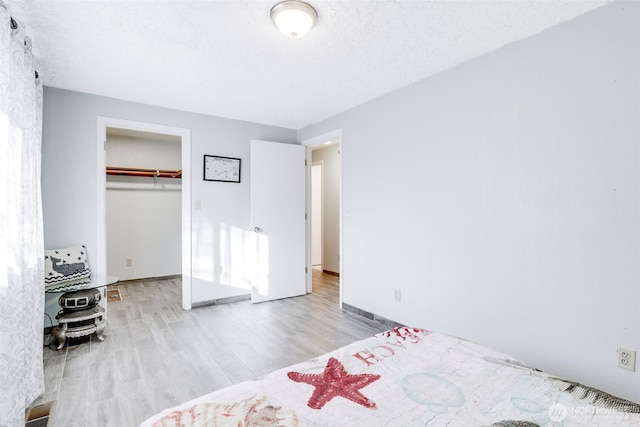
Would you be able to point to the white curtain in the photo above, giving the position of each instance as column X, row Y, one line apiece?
column 21, row 237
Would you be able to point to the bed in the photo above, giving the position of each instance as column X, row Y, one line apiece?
column 405, row 377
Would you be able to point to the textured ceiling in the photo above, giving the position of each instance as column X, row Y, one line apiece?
column 226, row 58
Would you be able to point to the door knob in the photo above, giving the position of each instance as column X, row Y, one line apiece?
column 257, row 229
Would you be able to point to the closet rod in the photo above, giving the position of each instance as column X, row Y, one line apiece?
column 154, row 173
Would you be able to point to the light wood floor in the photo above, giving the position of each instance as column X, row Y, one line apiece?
column 156, row 355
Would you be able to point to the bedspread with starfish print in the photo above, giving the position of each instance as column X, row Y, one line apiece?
column 405, row 377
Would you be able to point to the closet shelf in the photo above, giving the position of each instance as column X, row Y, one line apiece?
column 153, row 173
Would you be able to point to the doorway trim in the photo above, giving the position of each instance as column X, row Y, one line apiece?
column 334, row 135
column 101, row 137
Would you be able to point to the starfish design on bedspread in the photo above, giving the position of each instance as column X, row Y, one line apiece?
column 335, row 381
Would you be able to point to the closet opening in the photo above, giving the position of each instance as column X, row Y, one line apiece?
column 144, row 202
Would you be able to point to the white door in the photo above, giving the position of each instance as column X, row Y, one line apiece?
column 278, row 220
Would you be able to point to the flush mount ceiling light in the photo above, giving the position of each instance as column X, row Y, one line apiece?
column 293, row 18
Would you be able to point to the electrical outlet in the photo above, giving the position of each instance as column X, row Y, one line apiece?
column 128, row 262
column 627, row 359
column 397, row 295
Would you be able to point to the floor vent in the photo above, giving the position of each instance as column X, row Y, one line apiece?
column 38, row 416
column 114, row 295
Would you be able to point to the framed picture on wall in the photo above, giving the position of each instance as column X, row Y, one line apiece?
column 224, row 169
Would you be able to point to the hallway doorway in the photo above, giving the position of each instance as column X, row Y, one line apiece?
column 324, row 205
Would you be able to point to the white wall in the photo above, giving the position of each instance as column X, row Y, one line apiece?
column 330, row 205
column 69, row 173
column 145, row 150
column 316, row 214
column 144, row 218
column 505, row 195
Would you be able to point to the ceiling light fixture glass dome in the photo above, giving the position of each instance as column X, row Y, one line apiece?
column 293, row 18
